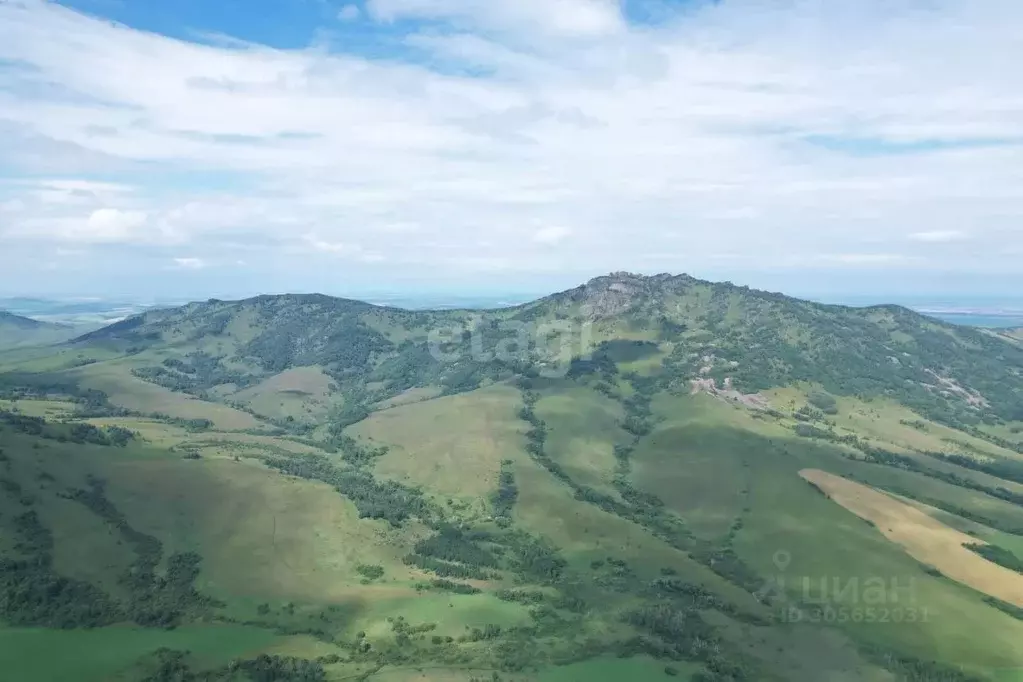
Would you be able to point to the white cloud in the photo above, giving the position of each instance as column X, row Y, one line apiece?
column 398, row 227
column 769, row 131
column 330, row 247
column 579, row 18
column 91, row 187
column 938, row 236
column 552, row 234
column 736, row 213
column 349, row 13
column 190, row 263
column 109, row 225
column 341, row 249
column 12, row 206
column 866, row 258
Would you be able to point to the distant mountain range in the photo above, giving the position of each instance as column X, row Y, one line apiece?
column 16, row 330
column 78, row 311
column 988, row 319
column 974, row 312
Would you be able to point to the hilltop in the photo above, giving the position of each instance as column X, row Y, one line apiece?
column 633, row 479
column 16, row 330
column 19, row 322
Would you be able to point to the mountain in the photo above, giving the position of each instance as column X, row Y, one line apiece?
column 692, row 329
column 16, row 330
column 18, row 322
column 643, row 478
column 93, row 312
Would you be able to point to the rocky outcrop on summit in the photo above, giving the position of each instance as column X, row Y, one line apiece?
column 617, row 293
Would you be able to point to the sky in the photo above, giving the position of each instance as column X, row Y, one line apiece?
column 195, row 148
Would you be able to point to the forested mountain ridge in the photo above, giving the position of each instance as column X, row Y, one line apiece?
column 696, row 330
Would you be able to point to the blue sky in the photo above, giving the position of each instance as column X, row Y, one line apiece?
column 188, row 148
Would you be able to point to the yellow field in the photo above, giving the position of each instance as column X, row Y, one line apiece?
column 922, row 536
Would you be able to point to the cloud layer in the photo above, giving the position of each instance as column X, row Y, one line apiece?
column 541, row 139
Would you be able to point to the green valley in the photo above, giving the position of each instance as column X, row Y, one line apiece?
column 607, row 483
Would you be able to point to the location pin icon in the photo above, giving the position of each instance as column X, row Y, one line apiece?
column 782, row 559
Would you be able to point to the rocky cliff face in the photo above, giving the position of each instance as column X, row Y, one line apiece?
column 619, row 292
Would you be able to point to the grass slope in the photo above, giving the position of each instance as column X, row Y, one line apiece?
column 128, row 392
column 100, row 655
column 301, row 394
column 459, row 458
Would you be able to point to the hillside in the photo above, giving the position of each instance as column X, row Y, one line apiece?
column 1014, row 334
column 16, row 331
column 644, row 478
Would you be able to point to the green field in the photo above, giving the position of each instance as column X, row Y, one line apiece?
column 615, row 669
column 100, row 655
